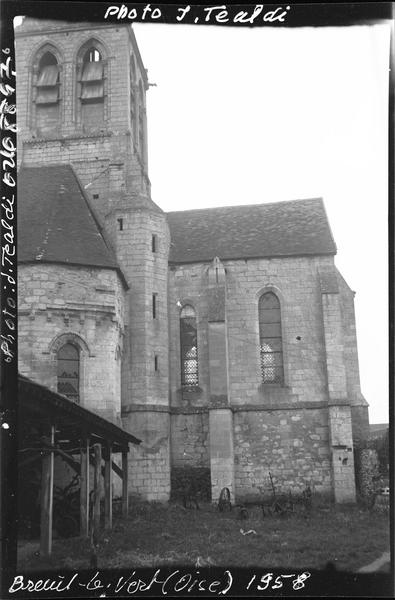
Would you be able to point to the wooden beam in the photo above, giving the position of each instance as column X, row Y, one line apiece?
column 66, row 457
column 117, row 470
column 47, row 499
column 108, row 488
column 125, row 507
column 84, row 487
column 97, row 491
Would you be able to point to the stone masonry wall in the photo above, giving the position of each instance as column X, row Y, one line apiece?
column 190, row 440
column 342, row 453
column 359, row 406
column 295, row 280
column 149, row 463
column 58, row 303
column 292, row 445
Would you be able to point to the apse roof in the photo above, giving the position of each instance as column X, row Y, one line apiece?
column 56, row 223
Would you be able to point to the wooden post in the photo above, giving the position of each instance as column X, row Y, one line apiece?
column 97, row 490
column 84, row 487
column 108, row 488
column 125, row 484
column 47, row 498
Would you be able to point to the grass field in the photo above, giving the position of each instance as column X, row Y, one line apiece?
column 157, row 535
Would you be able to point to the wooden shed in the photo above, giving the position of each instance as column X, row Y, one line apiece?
column 51, row 425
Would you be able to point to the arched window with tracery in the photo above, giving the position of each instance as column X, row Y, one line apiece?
column 270, row 339
column 47, row 98
column 189, row 347
column 91, row 82
column 68, row 371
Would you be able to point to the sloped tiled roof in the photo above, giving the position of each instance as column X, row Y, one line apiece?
column 55, row 222
column 294, row 228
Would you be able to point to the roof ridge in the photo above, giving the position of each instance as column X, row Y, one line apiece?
column 278, row 202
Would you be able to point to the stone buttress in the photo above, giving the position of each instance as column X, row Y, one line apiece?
column 220, row 413
column 340, row 424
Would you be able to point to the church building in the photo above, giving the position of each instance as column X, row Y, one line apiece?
column 223, row 338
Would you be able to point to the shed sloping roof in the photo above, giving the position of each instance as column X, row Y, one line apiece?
column 48, row 404
column 293, row 228
column 55, row 222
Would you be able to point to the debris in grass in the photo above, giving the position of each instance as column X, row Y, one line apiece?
column 247, row 532
column 201, row 562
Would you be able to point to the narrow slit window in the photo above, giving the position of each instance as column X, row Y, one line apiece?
column 189, row 347
column 154, row 306
column 120, row 224
column 68, row 368
column 270, row 339
column 156, row 362
column 154, row 243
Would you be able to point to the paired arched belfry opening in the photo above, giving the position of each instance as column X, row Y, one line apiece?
column 89, row 76
column 89, row 82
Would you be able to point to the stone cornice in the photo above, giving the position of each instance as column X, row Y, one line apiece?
column 339, row 402
column 182, row 410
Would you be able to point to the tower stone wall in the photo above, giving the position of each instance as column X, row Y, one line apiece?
column 145, row 396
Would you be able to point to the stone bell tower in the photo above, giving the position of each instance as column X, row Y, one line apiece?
column 140, row 236
column 82, row 102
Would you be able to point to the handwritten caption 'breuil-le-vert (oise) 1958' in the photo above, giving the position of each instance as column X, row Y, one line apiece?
column 174, row 582
column 7, row 259
column 209, row 14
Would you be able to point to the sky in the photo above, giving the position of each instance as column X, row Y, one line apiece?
column 244, row 116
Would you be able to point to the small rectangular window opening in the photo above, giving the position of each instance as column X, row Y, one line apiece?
column 154, row 305
column 95, row 196
column 154, row 243
column 120, row 222
column 156, row 362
